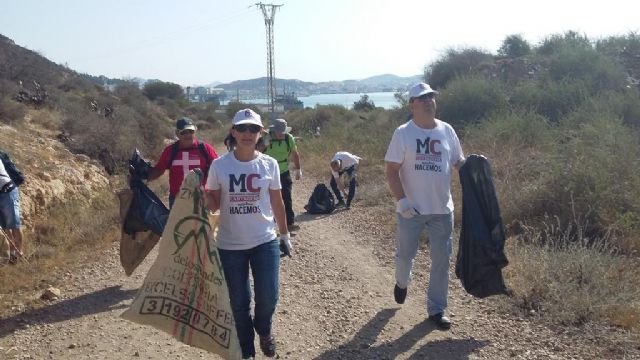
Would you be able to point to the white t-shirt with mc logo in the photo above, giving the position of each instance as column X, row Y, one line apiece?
column 246, row 217
column 426, row 157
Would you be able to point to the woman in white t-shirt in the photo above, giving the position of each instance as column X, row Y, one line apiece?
column 245, row 185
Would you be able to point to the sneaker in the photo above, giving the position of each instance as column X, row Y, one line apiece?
column 268, row 345
column 340, row 204
column 399, row 294
column 293, row 227
column 441, row 320
column 13, row 257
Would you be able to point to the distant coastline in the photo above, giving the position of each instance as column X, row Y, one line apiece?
column 383, row 99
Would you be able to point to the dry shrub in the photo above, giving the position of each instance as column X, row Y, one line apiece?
column 73, row 232
column 11, row 112
column 566, row 278
column 50, row 120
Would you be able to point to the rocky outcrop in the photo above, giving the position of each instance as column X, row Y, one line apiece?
column 52, row 172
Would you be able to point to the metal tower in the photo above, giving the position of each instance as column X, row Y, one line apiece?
column 269, row 11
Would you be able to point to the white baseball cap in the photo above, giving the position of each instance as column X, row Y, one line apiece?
column 247, row 116
column 420, row 89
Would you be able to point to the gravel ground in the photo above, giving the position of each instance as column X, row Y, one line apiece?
column 336, row 302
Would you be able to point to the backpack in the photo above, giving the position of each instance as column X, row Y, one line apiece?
column 176, row 147
column 287, row 139
column 13, row 172
column 321, row 201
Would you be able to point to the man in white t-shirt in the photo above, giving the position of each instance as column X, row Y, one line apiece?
column 344, row 170
column 418, row 165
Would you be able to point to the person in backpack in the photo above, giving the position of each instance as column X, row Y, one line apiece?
column 10, row 214
column 282, row 146
column 418, row 167
column 344, row 168
column 184, row 155
column 244, row 184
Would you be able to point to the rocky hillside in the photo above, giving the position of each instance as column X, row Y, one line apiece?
column 52, row 172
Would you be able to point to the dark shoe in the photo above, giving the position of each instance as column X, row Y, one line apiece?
column 441, row 320
column 340, row 204
column 399, row 294
column 268, row 346
column 13, row 258
column 293, row 227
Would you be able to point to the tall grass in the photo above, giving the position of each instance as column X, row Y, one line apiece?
column 564, row 277
column 74, row 231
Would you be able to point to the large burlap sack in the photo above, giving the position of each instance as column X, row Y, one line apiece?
column 135, row 246
column 185, row 293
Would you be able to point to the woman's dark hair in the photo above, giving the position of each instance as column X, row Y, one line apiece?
column 230, row 142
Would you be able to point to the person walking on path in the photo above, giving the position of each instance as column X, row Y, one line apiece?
column 282, row 146
column 418, row 166
column 184, row 155
column 10, row 214
column 244, row 185
column 344, row 169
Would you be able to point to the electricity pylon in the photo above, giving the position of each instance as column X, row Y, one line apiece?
column 269, row 11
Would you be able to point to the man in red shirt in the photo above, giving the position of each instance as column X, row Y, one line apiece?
column 184, row 155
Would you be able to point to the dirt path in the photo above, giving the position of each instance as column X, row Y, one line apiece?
column 336, row 302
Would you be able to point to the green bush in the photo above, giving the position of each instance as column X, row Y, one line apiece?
column 521, row 148
column 514, row 46
column 454, row 64
column 624, row 105
column 560, row 42
column 594, row 149
column 552, row 99
column 157, row 89
column 597, row 71
column 468, row 99
column 364, row 104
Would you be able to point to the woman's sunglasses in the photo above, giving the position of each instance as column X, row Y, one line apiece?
column 254, row 129
column 427, row 96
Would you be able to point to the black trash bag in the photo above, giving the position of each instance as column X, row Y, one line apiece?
column 139, row 167
column 321, row 201
column 481, row 248
column 147, row 212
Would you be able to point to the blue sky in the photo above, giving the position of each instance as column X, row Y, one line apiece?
column 201, row 41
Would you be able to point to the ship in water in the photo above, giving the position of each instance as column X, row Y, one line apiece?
column 288, row 101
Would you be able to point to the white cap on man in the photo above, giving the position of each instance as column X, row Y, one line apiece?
column 247, row 116
column 420, row 89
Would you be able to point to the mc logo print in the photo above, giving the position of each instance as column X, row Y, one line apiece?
column 244, row 182
column 428, row 145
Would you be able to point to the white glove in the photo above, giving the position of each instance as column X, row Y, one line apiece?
column 297, row 173
column 285, row 245
column 406, row 209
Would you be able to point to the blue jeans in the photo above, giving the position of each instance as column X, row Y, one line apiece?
column 440, row 230
column 10, row 209
column 264, row 261
column 352, row 172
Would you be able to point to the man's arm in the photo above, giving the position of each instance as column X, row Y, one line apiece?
column 295, row 156
column 155, row 173
column 392, row 172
